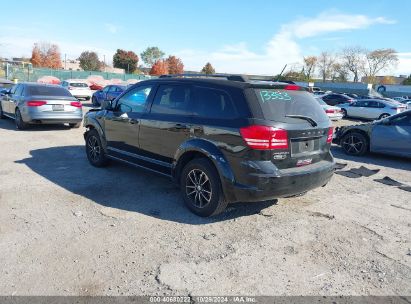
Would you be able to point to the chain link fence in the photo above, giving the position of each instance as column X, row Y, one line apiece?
column 28, row 73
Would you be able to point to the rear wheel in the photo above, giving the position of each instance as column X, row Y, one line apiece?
column 385, row 115
column 201, row 188
column 75, row 125
column 354, row 144
column 94, row 149
column 20, row 124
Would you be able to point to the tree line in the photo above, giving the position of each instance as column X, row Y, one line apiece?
column 349, row 63
column 48, row 55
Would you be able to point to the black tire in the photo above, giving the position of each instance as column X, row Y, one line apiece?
column 1, row 112
column 20, row 124
column 354, row 143
column 94, row 149
column 344, row 113
column 201, row 188
column 385, row 115
column 75, row 125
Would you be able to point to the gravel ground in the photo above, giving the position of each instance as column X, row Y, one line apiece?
column 67, row 228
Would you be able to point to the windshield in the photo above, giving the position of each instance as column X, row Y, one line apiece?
column 47, row 91
column 78, row 84
column 277, row 104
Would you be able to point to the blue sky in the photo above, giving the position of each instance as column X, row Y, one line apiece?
column 242, row 36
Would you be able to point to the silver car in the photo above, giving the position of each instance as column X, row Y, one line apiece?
column 371, row 108
column 33, row 103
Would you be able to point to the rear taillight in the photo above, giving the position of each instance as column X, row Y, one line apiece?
column 329, row 111
column 264, row 137
column 330, row 135
column 36, row 103
column 76, row 104
column 70, row 88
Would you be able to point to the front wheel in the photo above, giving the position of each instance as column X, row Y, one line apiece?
column 1, row 112
column 354, row 144
column 94, row 149
column 20, row 124
column 201, row 188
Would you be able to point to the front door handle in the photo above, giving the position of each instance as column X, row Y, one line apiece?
column 133, row 121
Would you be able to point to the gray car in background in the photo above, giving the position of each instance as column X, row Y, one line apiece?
column 390, row 135
column 33, row 103
column 372, row 108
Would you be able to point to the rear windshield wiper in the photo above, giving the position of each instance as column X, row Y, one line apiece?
column 307, row 118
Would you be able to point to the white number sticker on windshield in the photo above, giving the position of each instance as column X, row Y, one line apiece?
column 274, row 95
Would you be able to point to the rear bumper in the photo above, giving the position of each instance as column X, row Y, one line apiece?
column 53, row 118
column 282, row 183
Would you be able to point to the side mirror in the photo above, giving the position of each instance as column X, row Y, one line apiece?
column 386, row 122
column 107, row 105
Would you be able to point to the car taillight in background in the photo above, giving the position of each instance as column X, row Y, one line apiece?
column 36, row 103
column 264, row 137
column 76, row 104
column 330, row 135
column 70, row 88
column 329, row 111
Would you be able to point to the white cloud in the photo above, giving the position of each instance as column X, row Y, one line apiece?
column 404, row 64
column 282, row 49
column 111, row 28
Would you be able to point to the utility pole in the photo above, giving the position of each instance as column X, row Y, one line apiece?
column 104, row 62
column 65, row 61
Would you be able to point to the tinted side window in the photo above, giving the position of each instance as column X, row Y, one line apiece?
column 403, row 120
column 106, row 89
column 135, row 100
column 172, row 99
column 214, row 103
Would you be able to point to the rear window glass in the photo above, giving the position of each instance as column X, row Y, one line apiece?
column 48, row 91
column 276, row 104
column 78, row 84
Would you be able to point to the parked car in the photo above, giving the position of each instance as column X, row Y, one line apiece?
column 333, row 99
column 222, row 141
column 96, row 87
column 78, row 89
column 400, row 99
column 33, row 103
column 110, row 92
column 371, row 108
column 389, row 136
column 333, row 113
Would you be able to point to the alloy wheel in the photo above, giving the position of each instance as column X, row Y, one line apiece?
column 352, row 144
column 94, row 148
column 198, row 188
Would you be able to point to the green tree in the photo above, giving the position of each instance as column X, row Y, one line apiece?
column 127, row 60
column 407, row 81
column 151, row 55
column 208, row 69
column 89, row 61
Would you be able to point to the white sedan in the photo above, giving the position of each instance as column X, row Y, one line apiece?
column 333, row 113
column 78, row 89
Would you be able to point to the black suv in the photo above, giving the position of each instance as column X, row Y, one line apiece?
column 222, row 139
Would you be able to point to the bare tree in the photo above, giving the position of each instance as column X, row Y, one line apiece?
column 325, row 62
column 338, row 72
column 353, row 59
column 377, row 61
column 310, row 63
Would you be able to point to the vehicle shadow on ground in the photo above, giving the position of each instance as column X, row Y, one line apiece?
column 8, row 124
column 123, row 187
column 394, row 162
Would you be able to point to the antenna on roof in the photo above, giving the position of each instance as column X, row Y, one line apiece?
column 279, row 76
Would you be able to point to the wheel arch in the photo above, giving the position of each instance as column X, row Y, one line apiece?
column 93, row 124
column 202, row 148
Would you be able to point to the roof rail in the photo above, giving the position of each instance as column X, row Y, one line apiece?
column 233, row 77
